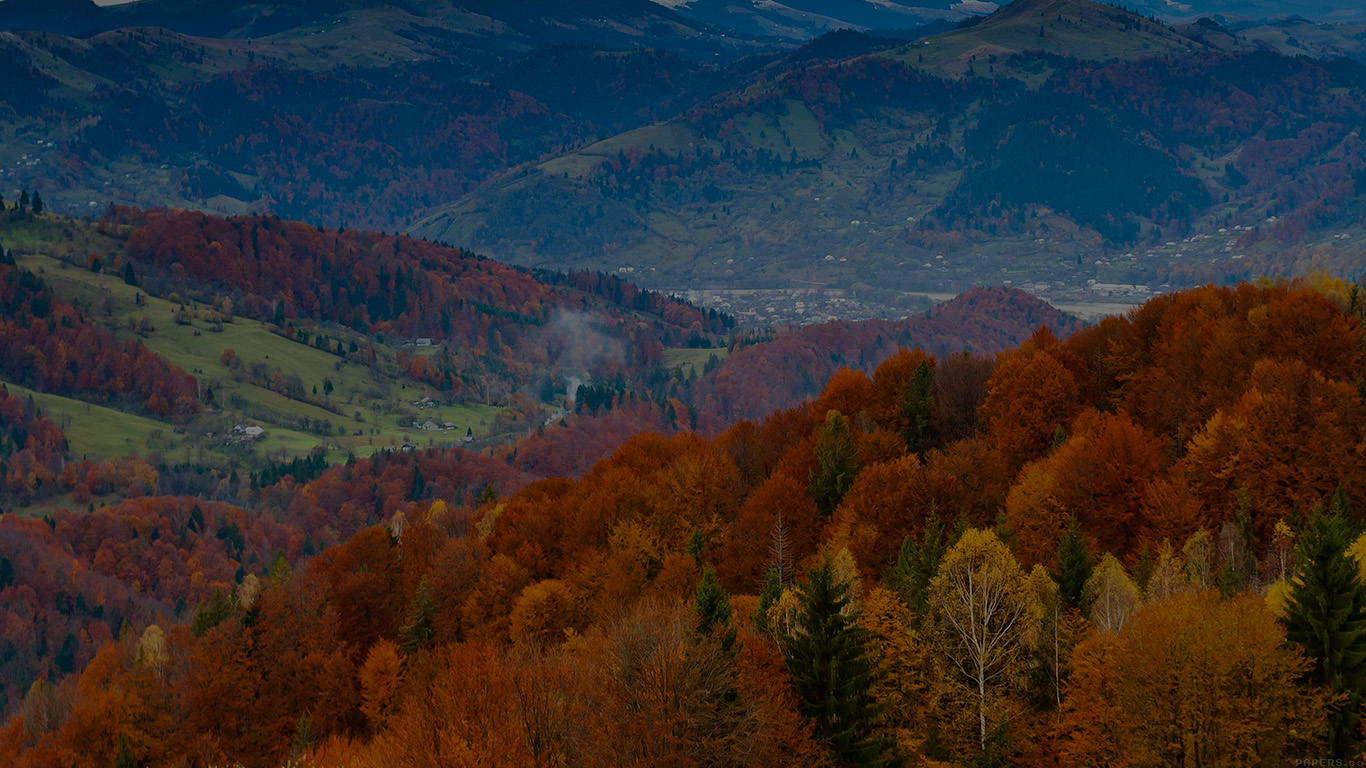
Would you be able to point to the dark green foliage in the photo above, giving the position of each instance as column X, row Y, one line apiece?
column 712, row 606
column 768, row 595
column 196, row 521
column 1326, row 614
column 130, row 275
column 206, row 617
column 124, row 758
column 917, row 563
column 488, row 495
column 1074, row 567
column 66, row 655
column 304, row 738
column 1055, row 150
column 915, row 409
column 302, row 469
column 837, row 459
column 419, row 482
column 37, row 202
column 828, row 657
column 418, row 633
column 696, row 543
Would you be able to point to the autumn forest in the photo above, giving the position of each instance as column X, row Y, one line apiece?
column 682, row 384
column 1130, row 543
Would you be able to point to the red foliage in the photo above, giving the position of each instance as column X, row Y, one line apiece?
column 48, row 345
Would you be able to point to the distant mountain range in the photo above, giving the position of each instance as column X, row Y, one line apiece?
column 686, row 21
column 1056, row 144
column 1068, row 146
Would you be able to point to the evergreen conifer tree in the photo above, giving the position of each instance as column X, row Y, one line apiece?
column 837, row 461
column 124, row 758
column 769, row 594
column 1074, row 568
column 712, row 606
column 37, row 202
column 418, row 633
column 916, row 564
column 419, row 482
column 1326, row 614
column 829, row 660
column 915, row 409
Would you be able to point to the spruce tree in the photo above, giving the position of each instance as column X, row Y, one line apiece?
column 37, row 202
column 1326, row 614
column 915, row 409
column 1074, row 568
column 829, row 660
column 124, row 758
column 23, row 199
column 769, row 594
column 837, row 461
column 418, row 633
column 419, row 482
column 916, row 565
column 712, row 606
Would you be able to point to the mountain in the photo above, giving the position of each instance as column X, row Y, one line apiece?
column 1058, row 145
column 1331, row 11
column 64, row 17
column 804, row 19
column 516, row 27
column 1070, row 147
column 1300, row 37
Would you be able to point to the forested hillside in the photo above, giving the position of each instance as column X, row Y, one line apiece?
column 629, row 138
column 1154, row 508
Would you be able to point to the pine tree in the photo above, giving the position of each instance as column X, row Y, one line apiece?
column 417, row 634
column 206, row 617
column 769, row 594
column 23, row 199
column 1075, row 567
column 37, row 202
column 916, row 564
column 837, row 460
column 130, row 276
column 697, row 542
column 304, row 738
column 829, row 660
column 712, row 606
column 419, row 482
column 915, row 409
column 124, row 758
column 1326, row 614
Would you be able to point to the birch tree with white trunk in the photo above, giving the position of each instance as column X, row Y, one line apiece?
column 984, row 616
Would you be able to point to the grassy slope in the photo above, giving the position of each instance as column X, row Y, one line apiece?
column 97, row 431
column 382, row 399
column 1082, row 30
column 692, row 361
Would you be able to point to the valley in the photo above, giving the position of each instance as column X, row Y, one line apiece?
column 849, row 162
column 676, row 383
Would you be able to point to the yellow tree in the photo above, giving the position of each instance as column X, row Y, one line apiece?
column 900, row 687
column 984, row 615
column 1194, row 680
column 1112, row 595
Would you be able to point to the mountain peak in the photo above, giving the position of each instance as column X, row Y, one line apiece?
column 64, row 17
column 1080, row 29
